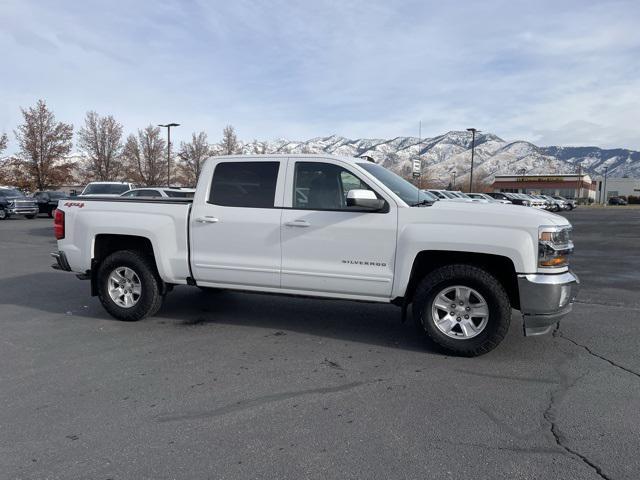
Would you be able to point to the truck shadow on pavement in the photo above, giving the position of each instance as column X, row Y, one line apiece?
column 61, row 294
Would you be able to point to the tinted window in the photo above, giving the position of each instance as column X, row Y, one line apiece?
column 323, row 186
column 148, row 193
column 244, row 184
column 105, row 189
column 175, row 194
column 10, row 192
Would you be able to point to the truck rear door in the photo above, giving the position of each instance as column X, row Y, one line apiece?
column 235, row 223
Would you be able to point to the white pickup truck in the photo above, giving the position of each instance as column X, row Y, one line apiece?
column 327, row 226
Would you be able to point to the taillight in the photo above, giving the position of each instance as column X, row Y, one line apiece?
column 58, row 224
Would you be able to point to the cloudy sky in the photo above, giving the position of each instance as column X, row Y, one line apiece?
column 551, row 72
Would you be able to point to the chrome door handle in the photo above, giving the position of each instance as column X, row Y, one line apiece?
column 298, row 223
column 207, row 220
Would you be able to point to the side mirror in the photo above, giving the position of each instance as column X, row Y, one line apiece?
column 365, row 199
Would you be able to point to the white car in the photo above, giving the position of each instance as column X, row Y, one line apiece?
column 448, row 196
column 332, row 227
column 160, row 192
column 106, row 189
column 488, row 198
column 460, row 194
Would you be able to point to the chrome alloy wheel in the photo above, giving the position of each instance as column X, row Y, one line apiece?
column 460, row 312
column 124, row 287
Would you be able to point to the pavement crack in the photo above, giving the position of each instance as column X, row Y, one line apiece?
column 257, row 402
column 549, row 416
column 506, row 377
column 559, row 334
column 332, row 364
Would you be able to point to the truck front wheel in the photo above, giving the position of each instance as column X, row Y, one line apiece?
column 462, row 308
column 128, row 286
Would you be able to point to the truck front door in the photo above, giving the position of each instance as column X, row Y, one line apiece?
column 328, row 246
column 235, row 225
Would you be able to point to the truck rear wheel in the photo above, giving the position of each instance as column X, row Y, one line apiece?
column 462, row 308
column 128, row 286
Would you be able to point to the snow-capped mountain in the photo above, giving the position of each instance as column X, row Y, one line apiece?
column 444, row 155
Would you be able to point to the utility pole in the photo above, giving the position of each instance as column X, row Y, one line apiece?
column 168, row 127
column 473, row 149
column 454, row 179
column 419, row 150
column 606, row 168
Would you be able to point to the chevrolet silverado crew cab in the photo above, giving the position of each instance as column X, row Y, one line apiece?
column 326, row 226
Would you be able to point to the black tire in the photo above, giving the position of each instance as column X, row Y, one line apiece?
column 150, row 299
column 486, row 285
column 30, row 217
column 3, row 214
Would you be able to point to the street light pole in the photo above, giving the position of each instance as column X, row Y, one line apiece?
column 605, row 184
column 168, row 127
column 454, row 179
column 473, row 150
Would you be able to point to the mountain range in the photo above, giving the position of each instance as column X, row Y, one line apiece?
column 450, row 153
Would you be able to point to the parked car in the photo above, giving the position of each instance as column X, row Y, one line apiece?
column 556, row 204
column 160, row 192
column 484, row 196
column 570, row 202
column 448, row 196
column 47, row 201
column 617, row 201
column 327, row 226
column 14, row 202
column 533, row 200
column 460, row 194
column 106, row 189
column 511, row 197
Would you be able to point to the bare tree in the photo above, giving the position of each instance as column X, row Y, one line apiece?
column 192, row 155
column 101, row 141
column 144, row 158
column 3, row 142
column 229, row 142
column 259, row 148
column 43, row 145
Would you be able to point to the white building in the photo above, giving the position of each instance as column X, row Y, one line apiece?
column 617, row 187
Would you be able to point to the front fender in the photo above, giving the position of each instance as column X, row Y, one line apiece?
column 516, row 244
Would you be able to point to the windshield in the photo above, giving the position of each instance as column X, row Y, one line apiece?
column 462, row 195
column 409, row 193
column 57, row 194
column 10, row 192
column 105, row 189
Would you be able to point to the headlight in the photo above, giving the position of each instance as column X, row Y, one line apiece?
column 554, row 246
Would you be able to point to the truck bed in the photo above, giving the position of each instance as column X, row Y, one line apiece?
column 163, row 221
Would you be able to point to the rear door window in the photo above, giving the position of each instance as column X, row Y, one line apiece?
column 244, row 184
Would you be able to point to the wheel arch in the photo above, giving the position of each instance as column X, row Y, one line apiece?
column 106, row 244
column 499, row 266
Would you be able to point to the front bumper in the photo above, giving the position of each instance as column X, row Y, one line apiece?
column 545, row 299
column 22, row 210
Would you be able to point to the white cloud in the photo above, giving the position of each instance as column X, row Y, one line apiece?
column 550, row 72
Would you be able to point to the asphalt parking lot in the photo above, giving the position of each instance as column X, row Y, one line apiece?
column 232, row 385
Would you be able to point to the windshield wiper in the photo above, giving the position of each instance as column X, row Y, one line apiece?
column 422, row 202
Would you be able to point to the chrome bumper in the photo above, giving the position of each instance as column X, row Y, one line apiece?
column 545, row 299
column 22, row 210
